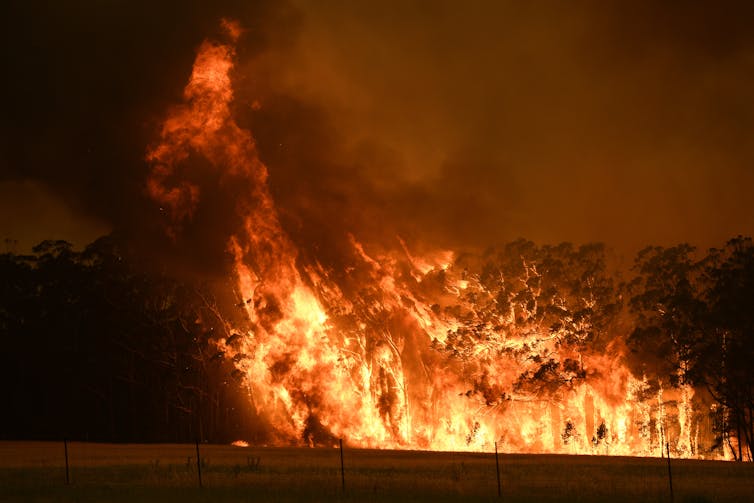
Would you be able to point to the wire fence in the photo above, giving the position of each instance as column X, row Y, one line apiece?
column 272, row 473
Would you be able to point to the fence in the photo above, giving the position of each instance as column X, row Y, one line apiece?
column 266, row 473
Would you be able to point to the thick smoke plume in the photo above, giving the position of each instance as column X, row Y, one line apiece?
column 390, row 348
column 463, row 126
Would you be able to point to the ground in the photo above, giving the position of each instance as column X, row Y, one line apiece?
column 35, row 472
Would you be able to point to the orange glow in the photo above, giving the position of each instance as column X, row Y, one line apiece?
column 407, row 358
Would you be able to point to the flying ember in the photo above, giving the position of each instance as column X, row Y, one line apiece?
column 401, row 350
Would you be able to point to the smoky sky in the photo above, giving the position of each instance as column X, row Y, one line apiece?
column 86, row 84
column 628, row 123
column 453, row 124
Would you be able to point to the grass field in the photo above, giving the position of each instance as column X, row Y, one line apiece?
column 35, row 472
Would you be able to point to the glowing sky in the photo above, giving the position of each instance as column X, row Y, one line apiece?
column 456, row 124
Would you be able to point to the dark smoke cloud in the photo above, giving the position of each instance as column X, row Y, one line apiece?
column 468, row 125
column 445, row 123
column 86, row 84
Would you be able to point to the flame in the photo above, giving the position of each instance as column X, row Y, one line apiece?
column 400, row 354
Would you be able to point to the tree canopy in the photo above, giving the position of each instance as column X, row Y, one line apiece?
column 99, row 344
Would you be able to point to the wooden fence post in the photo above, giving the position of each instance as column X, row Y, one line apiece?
column 497, row 472
column 342, row 468
column 65, row 449
column 670, row 474
column 198, row 463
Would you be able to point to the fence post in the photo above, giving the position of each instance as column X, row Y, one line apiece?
column 670, row 474
column 198, row 463
column 342, row 468
column 497, row 472
column 65, row 449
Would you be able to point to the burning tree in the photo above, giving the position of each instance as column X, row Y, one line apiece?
column 539, row 309
column 434, row 351
column 723, row 359
column 522, row 345
column 694, row 327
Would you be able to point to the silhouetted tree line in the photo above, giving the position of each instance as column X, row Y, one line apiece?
column 686, row 320
column 694, row 324
column 95, row 348
column 96, row 345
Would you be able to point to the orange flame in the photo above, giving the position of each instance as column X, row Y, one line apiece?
column 367, row 366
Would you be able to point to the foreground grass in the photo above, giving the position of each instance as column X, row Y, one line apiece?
column 35, row 472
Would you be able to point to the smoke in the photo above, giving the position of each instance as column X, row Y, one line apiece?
column 86, row 86
column 399, row 126
column 469, row 126
column 446, row 125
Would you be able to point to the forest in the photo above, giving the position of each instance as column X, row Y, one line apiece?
column 94, row 348
column 100, row 345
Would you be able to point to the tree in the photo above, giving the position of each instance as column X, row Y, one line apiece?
column 96, row 345
column 538, row 308
column 667, row 302
column 694, row 325
column 724, row 359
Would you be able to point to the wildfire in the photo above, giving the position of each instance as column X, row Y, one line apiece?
column 408, row 351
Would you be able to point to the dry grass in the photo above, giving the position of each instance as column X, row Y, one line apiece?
column 34, row 471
